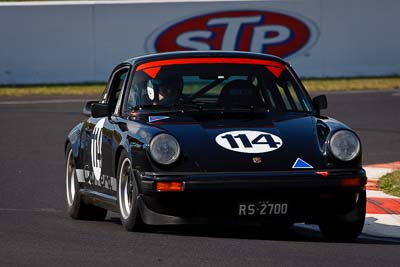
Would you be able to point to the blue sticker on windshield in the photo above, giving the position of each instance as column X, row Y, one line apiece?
column 157, row 118
column 301, row 164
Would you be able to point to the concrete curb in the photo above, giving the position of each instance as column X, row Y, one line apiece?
column 383, row 210
column 376, row 171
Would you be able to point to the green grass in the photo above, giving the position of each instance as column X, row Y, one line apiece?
column 339, row 84
column 390, row 183
column 80, row 89
column 312, row 85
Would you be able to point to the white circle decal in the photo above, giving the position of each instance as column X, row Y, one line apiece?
column 150, row 90
column 249, row 141
column 96, row 143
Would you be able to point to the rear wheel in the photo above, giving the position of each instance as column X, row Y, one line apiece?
column 128, row 195
column 348, row 226
column 77, row 209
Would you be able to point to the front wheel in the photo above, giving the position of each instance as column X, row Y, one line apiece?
column 348, row 226
column 76, row 208
column 128, row 194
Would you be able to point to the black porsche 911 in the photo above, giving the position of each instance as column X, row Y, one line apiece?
column 229, row 138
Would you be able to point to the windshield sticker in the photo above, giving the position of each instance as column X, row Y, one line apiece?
column 157, row 118
column 150, row 90
column 301, row 164
column 249, row 141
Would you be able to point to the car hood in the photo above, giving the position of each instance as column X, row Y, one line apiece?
column 267, row 142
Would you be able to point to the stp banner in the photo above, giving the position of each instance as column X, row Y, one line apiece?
column 74, row 42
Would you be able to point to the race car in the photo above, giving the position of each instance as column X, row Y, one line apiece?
column 213, row 137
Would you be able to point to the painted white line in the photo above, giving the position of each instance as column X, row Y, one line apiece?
column 50, row 101
column 376, row 193
column 32, row 210
column 376, row 173
column 393, row 91
column 385, row 225
column 102, row 2
column 379, row 238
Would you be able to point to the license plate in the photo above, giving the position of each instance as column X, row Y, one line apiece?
column 263, row 208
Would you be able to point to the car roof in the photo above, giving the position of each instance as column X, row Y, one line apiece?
column 203, row 54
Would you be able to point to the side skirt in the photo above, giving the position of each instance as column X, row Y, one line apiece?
column 98, row 199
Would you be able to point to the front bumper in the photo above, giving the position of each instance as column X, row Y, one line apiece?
column 214, row 197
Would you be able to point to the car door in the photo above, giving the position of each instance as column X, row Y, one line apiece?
column 98, row 137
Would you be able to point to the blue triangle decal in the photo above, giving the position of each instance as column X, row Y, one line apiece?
column 157, row 118
column 301, row 164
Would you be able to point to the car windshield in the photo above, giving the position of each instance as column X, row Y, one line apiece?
column 217, row 86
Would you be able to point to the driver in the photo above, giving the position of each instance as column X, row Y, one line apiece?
column 165, row 91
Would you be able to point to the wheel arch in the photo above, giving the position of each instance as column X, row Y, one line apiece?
column 118, row 153
column 122, row 147
column 74, row 139
column 66, row 143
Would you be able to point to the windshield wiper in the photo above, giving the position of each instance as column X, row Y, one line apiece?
column 188, row 105
column 205, row 106
column 198, row 105
column 246, row 107
column 154, row 109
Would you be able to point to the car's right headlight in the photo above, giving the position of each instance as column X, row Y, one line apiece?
column 164, row 149
column 344, row 145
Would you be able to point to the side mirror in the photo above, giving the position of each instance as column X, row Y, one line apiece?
column 87, row 109
column 320, row 102
column 99, row 110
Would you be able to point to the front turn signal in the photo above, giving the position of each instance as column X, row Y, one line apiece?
column 169, row 186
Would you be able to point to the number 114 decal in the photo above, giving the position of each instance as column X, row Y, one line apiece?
column 249, row 141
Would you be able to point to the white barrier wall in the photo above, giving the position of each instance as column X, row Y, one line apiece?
column 73, row 42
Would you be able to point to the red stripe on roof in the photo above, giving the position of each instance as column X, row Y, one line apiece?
column 152, row 72
column 182, row 61
column 377, row 205
column 276, row 71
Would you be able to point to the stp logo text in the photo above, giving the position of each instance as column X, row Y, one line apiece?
column 256, row 31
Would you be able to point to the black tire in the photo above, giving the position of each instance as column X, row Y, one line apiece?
column 128, row 192
column 339, row 228
column 76, row 208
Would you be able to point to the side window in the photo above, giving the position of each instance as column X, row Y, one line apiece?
column 284, row 97
column 292, row 98
column 115, row 91
column 295, row 97
column 271, row 99
column 134, row 95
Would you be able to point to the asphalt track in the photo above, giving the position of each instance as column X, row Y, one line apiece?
column 35, row 230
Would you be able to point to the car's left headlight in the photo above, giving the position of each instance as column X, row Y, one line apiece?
column 164, row 149
column 344, row 145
